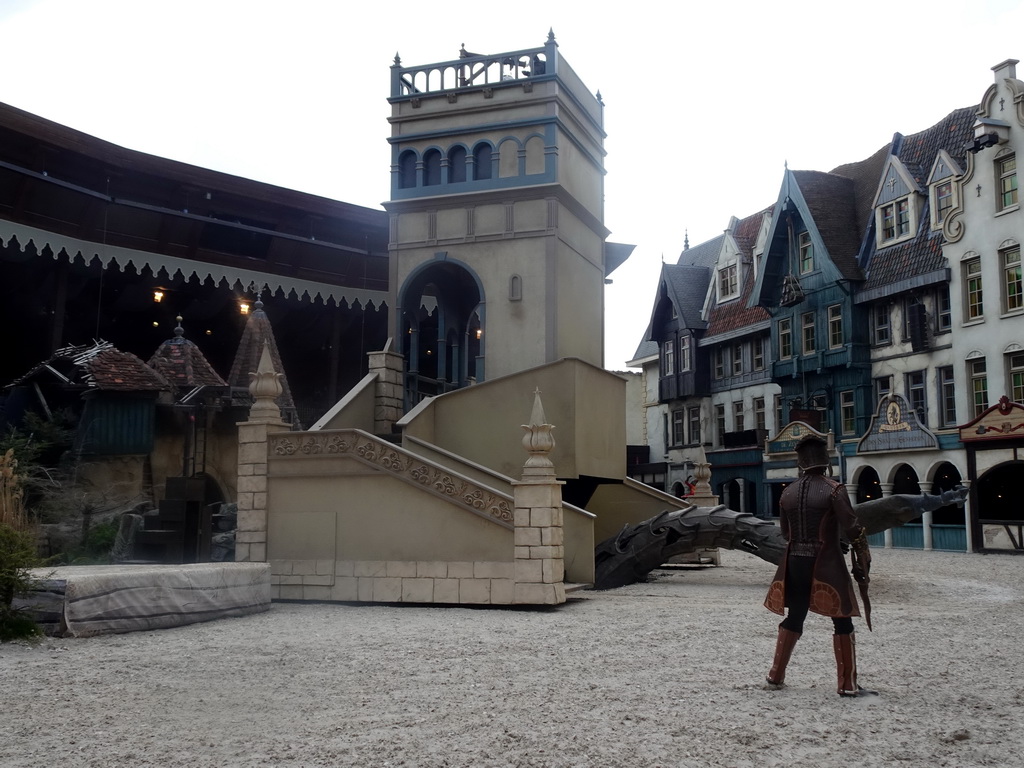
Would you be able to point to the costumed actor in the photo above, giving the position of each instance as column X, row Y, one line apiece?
column 812, row 576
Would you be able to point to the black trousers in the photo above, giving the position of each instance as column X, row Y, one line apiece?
column 798, row 597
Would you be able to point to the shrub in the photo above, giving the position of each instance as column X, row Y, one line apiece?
column 17, row 555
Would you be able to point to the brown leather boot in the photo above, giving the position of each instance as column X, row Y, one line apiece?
column 783, row 650
column 846, row 666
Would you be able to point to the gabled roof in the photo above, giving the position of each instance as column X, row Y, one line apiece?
column 902, row 266
column 826, row 203
column 183, row 363
column 684, row 286
column 729, row 317
column 703, row 255
column 831, row 202
column 98, row 366
column 865, row 175
column 687, row 286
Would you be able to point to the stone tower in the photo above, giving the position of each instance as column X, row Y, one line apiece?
column 497, row 239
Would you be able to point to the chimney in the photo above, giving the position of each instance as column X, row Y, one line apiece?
column 1005, row 69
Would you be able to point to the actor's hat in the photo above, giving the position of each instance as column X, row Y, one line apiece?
column 812, row 452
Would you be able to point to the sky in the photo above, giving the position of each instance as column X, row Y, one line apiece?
column 705, row 103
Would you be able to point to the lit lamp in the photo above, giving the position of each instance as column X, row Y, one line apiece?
column 243, row 307
column 158, row 296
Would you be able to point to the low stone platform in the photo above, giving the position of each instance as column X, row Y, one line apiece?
column 77, row 601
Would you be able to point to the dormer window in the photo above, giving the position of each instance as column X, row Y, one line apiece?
column 943, row 189
column 896, row 219
column 943, row 193
column 806, row 253
column 728, row 282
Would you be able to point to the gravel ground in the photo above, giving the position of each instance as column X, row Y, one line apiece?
column 667, row 673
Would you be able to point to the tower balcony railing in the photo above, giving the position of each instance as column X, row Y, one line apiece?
column 472, row 70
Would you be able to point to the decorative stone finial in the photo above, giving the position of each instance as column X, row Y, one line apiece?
column 179, row 332
column 265, row 387
column 538, row 442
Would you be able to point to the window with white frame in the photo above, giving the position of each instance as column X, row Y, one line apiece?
column 760, row 418
column 785, row 338
column 1013, row 300
column 806, row 253
column 947, row 396
column 737, row 416
column 896, row 219
column 693, row 417
column 1006, row 168
column 677, row 427
column 975, row 306
column 1015, row 369
column 944, row 314
column 978, row 375
column 881, row 330
column 737, row 359
column 943, row 200
column 916, row 395
column 719, row 358
column 835, row 326
column 668, row 357
column 728, row 282
column 807, row 342
column 684, row 353
column 758, row 353
column 847, row 412
column 720, row 424
column 778, row 413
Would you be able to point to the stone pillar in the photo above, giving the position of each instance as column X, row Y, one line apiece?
column 968, row 528
column 703, row 497
column 264, row 418
column 886, row 489
column 539, row 549
column 926, row 529
column 388, row 396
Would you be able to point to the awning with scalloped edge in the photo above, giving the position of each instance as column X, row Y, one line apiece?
column 108, row 255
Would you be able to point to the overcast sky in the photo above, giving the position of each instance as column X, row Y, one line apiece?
column 705, row 103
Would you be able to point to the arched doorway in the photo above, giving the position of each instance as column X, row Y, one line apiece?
column 868, row 485
column 911, row 534
column 949, row 531
column 1001, row 506
column 441, row 306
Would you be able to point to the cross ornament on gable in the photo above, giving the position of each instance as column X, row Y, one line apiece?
column 892, row 183
column 1001, row 103
column 978, row 190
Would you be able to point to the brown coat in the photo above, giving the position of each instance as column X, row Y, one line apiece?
column 832, row 591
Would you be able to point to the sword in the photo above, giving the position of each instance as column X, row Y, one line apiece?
column 861, row 568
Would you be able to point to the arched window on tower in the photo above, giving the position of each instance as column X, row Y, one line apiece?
column 431, row 168
column 456, row 164
column 407, row 170
column 482, row 161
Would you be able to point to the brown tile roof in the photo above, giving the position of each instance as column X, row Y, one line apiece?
column 184, row 364
column 831, row 202
column 865, row 175
column 734, row 315
column 99, row 366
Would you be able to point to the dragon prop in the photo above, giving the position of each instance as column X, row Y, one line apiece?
column 638, row 549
